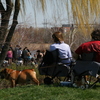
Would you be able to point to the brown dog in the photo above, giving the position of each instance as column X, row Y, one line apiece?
column 19, row 77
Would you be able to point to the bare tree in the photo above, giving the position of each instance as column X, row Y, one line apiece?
column 10, row 9
column 6, row 33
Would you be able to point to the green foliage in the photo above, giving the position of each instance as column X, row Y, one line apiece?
column 44, row 92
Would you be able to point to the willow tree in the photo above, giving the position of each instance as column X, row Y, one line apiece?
column 86, row 14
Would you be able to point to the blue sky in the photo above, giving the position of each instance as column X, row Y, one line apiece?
column 54, row 16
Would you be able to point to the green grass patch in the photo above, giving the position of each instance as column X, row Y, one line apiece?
column 51, row 92
column 45, row 92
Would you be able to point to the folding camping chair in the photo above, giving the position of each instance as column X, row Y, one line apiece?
column 86, row 66
column 51, row 67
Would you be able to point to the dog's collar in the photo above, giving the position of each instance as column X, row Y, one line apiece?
column 11, row 72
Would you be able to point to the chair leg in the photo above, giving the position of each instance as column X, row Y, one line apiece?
column 72, row 76
column 89, row 80
column 98, row 80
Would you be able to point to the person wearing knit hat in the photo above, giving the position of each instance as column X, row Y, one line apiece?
column 64, row 49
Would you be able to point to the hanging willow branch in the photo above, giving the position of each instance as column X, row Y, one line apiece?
column 86, row 13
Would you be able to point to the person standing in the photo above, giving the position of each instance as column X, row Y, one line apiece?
column 10, row 56
column 26, row 55
column 16, row 53
column 19, row 53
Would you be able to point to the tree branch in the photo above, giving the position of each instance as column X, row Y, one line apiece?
column 9, row 5
column 1, row 7
column 15, row 22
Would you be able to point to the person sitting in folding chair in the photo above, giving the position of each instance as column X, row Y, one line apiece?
column 65, row 54
column 89, row 51
column 57, row 60
column 92, row 46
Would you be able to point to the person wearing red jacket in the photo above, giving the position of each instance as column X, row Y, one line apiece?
column 91, row 46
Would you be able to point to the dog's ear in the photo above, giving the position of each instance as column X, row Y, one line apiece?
column 4, row 70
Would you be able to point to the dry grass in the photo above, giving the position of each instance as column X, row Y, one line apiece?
column 36, row 46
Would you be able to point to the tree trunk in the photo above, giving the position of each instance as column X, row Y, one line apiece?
column 11, row 30
column 5, row 16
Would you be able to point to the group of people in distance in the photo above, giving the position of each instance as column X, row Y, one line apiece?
column 19, row 54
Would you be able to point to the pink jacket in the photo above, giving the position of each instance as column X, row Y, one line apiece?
column 10, row 54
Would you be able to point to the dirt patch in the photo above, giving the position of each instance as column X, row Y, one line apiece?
column 36, row 46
